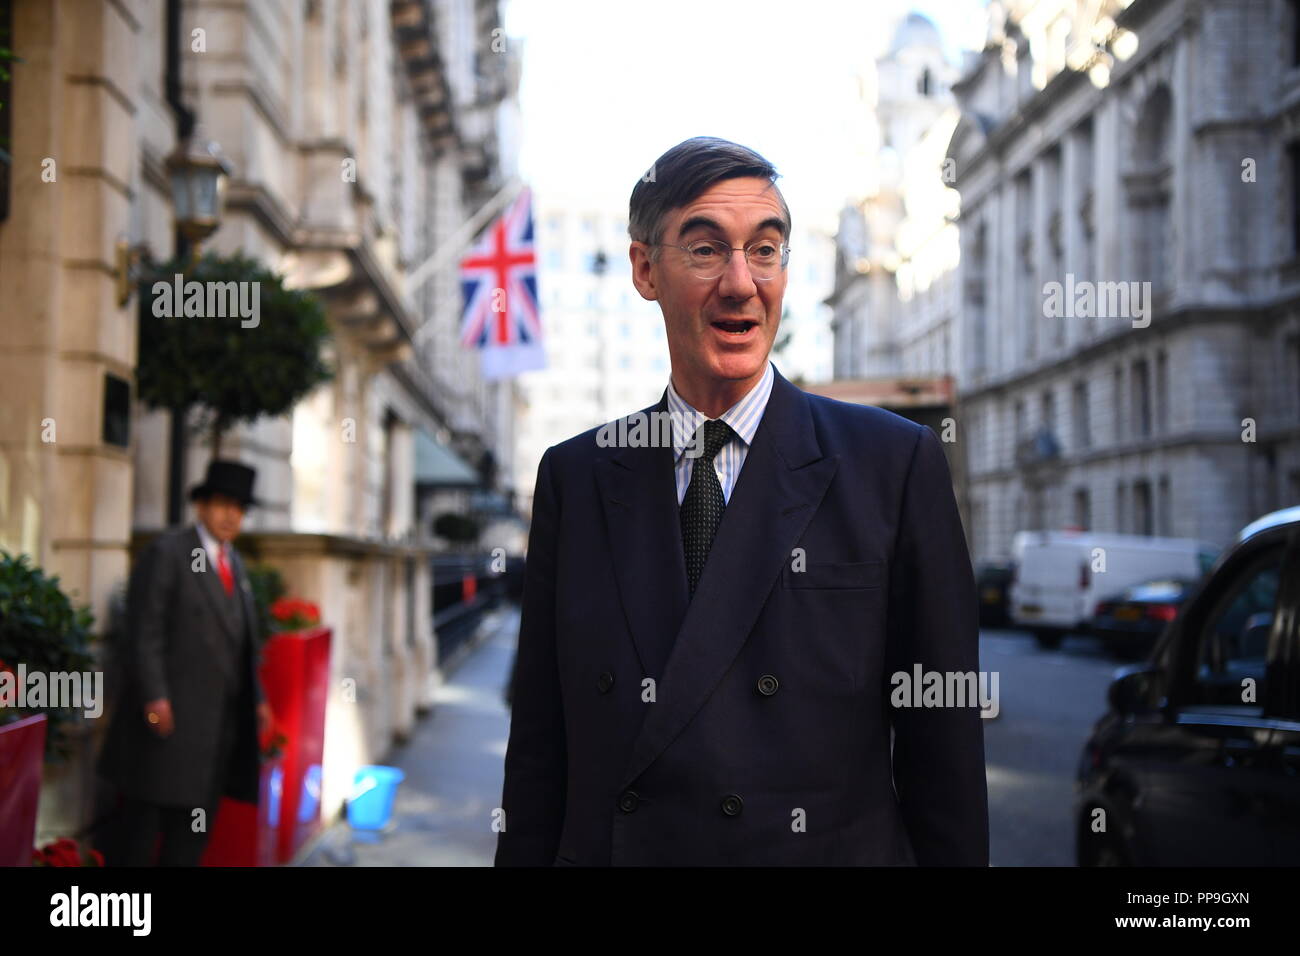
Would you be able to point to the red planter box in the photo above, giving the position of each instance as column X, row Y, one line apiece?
column 22, row 755
column 295, row 675
column 246, row 834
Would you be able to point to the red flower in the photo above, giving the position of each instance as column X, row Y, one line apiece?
column 295, row 613
column 56, row 856
column 63, row 852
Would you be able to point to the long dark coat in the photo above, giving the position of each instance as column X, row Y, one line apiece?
column 765, row 737
column 186, row 640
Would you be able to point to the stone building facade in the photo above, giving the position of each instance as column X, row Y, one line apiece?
column 1140, row 151
column 362, row 134
column 894, row 300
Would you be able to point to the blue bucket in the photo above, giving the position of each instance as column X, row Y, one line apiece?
column 373, row 790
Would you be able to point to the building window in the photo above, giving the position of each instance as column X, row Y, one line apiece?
column 975, row 293
column 1121, row 508
column 1293, row 163
column 1083, row 166
column 1082, row 422
column 1141, row 399
column 1162, row 393
column 1293, row 28
column 117, row 411
column 1142, row 513
column 388, row 492
column 1164, row 507
column 1055, row 246
column 1148, row 188
column 1029, row 295
column 924, row 84
column 1082, row 509
column 1117, row 400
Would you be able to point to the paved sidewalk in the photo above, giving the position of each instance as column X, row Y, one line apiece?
column 453, row 763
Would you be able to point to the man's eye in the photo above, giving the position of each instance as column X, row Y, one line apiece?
column 766, row 250
column 704, row 252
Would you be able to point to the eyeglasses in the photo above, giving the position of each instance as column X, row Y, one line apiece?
column 709, row 258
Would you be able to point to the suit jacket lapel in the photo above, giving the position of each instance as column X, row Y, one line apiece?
column 639, row 495
column 223, row 608
column 779, row 489
column 243, row 588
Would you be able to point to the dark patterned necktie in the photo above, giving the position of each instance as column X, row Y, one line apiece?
column 703, row 504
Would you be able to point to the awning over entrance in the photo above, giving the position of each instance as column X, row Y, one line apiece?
column 438, row 466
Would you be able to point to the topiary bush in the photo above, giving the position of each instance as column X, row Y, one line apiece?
column 40, row 628
column 235, row 373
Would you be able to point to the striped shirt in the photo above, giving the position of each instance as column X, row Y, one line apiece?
column 743, row 417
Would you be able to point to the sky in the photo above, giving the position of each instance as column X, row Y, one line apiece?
column 609, row 86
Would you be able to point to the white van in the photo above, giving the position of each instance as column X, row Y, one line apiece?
column 1061, row 575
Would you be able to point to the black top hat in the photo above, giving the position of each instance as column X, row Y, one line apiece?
column 227, row 478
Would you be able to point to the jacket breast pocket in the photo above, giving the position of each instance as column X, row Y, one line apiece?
column 835, row 575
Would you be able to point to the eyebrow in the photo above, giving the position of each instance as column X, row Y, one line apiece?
column 705, row 222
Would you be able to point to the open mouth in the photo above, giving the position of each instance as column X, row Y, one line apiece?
column 736, row 327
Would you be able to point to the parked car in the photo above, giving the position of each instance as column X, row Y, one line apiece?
column 993, row 583
column 1197, row 761
column 1129, row 623
column 1061, row 575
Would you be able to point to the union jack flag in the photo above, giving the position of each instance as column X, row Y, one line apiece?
column 498, row 281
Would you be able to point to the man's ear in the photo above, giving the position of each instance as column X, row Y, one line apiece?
column 643, row 271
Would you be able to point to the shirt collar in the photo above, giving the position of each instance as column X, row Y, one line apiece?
column 210, row 543
column 743, row 417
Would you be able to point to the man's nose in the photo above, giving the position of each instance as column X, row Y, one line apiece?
column 737, row 283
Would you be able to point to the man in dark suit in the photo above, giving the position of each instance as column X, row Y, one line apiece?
column 713, row 623
column 185, row 728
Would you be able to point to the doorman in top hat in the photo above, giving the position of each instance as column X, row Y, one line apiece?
column 188, row 716
column 714, row 620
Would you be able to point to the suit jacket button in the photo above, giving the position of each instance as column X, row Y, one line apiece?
column 605, row 681
column 628, row 800
column 732, row 804
column 767, row 685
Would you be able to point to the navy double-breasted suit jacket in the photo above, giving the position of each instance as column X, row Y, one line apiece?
column 750, row 724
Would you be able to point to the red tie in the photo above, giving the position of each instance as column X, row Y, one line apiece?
column 227, row 578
